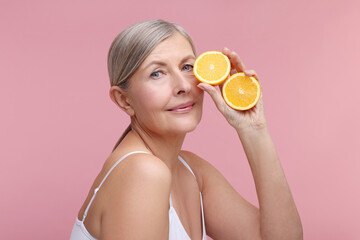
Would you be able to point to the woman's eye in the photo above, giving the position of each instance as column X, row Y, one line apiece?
column 156, row 74
column 188, row 67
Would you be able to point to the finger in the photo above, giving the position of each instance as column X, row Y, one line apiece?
column 227, row 52
column 238, row 64
column 214, row 94
column 251, row 73
column 221, row 87
column 233, row 71
column 235, row 60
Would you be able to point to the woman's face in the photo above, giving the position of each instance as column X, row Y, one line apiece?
column 163, row 92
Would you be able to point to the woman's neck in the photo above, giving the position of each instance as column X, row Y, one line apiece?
column 166, row 147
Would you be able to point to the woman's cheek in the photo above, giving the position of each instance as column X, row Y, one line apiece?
column 155, row 98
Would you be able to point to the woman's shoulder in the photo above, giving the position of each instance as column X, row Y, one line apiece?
column 136, row 188
column 198, row 165
column 134, row 176
column 137, row 166
column 195, row 160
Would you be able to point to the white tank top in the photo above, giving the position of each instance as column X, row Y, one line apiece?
column 176, row 229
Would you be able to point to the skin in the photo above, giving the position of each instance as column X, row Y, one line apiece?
column 133, row 203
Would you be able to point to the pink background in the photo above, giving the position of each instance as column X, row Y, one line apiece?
column 58, row 125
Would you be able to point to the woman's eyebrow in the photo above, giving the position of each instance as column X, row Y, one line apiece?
column 188, row 57
column 163, row 63
column 155, row 62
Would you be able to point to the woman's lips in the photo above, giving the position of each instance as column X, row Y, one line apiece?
column 183, row 108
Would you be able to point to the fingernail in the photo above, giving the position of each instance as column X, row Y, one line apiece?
column 249, row 72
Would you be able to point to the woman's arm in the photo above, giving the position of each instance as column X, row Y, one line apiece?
column 277, row 217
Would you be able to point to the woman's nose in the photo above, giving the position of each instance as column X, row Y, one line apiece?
column 182, row 84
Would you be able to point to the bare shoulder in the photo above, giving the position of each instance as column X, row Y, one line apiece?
column 139, row 168
column 193, row 159
column 145, row 165
column 201, row 168
column 137, row 194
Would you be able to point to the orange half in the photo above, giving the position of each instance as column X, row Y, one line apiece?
column 241, row 92
column 212, row 67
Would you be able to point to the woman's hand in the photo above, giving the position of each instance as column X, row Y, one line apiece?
column 242, row 121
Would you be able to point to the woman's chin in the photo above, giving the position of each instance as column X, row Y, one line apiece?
column 185, row 127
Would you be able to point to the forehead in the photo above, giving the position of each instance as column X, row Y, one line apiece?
column 174, row 46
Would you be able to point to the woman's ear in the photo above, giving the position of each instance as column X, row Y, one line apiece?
column 119, row 97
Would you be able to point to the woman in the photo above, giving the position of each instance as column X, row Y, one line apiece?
column 149, row 188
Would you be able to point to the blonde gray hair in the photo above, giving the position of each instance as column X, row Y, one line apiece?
column 132, row 46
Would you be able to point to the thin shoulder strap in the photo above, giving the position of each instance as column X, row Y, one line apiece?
column 187, row 166
column 107, row 174
column 201, row 199
column 171, row 205
column 202, row 217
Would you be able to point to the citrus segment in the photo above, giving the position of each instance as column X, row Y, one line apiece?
column 212, row 67
column 241, row 92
